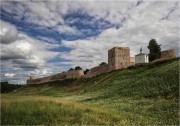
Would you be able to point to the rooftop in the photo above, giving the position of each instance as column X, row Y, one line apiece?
column 141, row 54
column 118, row 48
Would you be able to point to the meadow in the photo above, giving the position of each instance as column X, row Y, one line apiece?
column 140, row 95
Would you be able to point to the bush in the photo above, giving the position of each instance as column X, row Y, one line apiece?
column 103, row 63
column 78, row 68
column 70, row 69
column 6, row 87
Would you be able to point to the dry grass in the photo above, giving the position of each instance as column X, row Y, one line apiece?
column 53, row 108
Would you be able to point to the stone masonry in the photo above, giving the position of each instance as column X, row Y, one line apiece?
column 118, row 58
column 168, row 53
column 132, row 61
column 96, row 70
column 59, row 76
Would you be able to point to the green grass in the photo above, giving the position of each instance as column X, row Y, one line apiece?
column 140, row 95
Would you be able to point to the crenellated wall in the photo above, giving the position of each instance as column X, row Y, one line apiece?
column 74, row 74
column 106, row 68
column 168, row 53
column 97, row 70
column 59, row 76
column 118, row 58
column 132, row 61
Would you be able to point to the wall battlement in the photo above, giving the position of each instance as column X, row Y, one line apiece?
column 118, row 58
column 59, row 76
column 168, row 53
column 97, row 70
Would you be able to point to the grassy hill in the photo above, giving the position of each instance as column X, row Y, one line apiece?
column 139, row 95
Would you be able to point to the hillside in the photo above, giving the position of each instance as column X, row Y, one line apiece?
column 152, row 80
column 146, row 94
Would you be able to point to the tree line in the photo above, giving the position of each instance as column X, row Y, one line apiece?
column 6, row 87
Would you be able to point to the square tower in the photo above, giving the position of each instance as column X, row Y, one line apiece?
column 118, row 58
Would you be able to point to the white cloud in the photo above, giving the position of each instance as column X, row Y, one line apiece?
column 42, row 13
column 138, row 23
column 49, row 40
column 8, row 33
column 51, row 13
column 9, row 74
column 143, row 23
column 25, row 54
column 27, row 51
column 67, row 29
column 40, row 72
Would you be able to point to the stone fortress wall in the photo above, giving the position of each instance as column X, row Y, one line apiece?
column 59, row 76
column 118, row 58
column 97, row 70
column 168, row 53
column 132, row 59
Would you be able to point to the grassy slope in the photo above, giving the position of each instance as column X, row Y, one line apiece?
column 141, row 95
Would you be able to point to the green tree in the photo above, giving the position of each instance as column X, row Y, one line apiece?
column 6, row 87
column 154, row 50
column 78, row 68
column 86, row 71
column 70, row 69
column 103, row 63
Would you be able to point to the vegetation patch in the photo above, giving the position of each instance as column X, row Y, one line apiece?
column 146, row 95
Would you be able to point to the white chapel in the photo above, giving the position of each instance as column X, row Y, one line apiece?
column 141, row 57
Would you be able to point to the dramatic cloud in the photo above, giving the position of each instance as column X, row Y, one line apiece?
column 142, row 25
column 27, row 52
column 39, row 13
column 52, row 13
column 51, row 36
column 9, row 74
column 8, row 33
column 24, row 53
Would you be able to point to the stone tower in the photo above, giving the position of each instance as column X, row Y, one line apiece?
column 32, row 77
column 118, row 58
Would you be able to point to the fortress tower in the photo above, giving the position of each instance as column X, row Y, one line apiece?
column 32, row 78
column 118, row 58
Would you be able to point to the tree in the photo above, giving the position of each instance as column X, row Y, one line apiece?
column 86, row 71
column 6, row 87
column 154, row 50
column 103, row 63
column 78, row 68
column 70, row 69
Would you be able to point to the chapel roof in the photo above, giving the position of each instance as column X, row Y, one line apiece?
column 141, row 54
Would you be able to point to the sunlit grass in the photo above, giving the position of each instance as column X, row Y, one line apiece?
column 50, row 111
column 145, row 95
column 39, row 110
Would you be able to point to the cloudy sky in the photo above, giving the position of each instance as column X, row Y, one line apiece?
column 40, row 38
